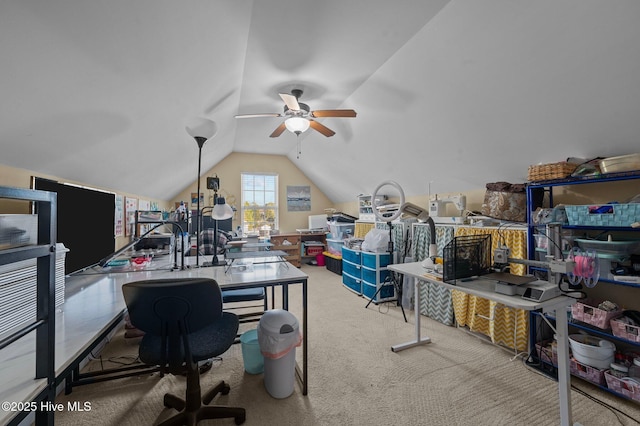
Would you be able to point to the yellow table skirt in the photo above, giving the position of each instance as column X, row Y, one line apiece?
column 505, row 326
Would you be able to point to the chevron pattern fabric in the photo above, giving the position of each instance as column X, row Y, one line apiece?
column 398, row 235
column 505, row 326
column 435, row 300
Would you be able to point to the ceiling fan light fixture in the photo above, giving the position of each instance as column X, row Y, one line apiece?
column 297, row 125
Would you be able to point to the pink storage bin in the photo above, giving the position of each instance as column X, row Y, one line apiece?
column 626, row 331
column 586, row 372
column 588, row 312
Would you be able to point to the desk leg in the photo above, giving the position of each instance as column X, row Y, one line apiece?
column 418, row 341
column 564, row 377
column 303, row 375
column 305, row 347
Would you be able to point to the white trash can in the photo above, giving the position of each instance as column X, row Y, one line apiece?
column 278, row 336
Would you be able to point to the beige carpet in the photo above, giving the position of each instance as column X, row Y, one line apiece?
column 355, row 378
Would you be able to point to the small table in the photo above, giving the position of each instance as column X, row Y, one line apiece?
column 485, row 288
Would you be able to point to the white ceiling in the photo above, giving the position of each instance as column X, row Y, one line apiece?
column 454, row 93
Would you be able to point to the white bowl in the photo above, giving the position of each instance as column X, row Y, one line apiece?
column 592, row 351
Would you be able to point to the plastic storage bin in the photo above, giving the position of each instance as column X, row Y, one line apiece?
column 374, row 276
column 278, row 336
column 314, row 249
column 375, row 260
column 341, row 230
column 335, row 246
column 333, row 262
column 352, row 284
column 387, row 292
column 351, row 255
column 592, row 351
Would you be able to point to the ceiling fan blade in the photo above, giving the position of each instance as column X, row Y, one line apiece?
column 278, row 131
column 267, row 114
column 333, row 113
column 291, row 101
column 321, row 128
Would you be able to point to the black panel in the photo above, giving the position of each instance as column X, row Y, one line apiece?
column 85, row 223
column 207, row 222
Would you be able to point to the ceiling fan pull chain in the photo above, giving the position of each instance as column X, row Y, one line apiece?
column 298, row 146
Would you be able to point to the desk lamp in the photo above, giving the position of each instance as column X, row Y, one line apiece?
column 201, row 129
column 221, row 211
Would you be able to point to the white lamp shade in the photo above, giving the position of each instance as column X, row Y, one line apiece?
column 297, row 124
column 222, row 211
column 201, row 127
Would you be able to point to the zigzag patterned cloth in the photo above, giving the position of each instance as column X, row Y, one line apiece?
column 504, row 325
column 435, row 300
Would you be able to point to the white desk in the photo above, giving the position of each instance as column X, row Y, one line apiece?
column 94, row 305
column 485, row 288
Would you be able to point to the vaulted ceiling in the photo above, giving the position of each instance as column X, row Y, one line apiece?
column 449, row 93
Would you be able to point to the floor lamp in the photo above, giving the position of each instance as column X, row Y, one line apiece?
column 201, row 129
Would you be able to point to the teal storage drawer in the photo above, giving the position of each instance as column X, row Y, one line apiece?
column 374, row 260
column 351, row 269
column 387, row 292
column 374, row 276
column 352, row 256
column 352, row 283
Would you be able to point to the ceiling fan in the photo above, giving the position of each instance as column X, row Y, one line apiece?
column 299, row 117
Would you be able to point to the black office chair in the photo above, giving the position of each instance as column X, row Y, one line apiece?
column 184, row 323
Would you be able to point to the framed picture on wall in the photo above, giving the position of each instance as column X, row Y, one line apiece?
column 119, row 216
column 130, row 207
column 194, row 200
column 298, row 198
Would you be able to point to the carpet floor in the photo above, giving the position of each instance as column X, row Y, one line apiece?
column 355, row 378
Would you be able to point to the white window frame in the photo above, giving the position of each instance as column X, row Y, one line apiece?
column 252, row 186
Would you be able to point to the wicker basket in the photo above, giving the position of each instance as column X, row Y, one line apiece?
column 552, row 171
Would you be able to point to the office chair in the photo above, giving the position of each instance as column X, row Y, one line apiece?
column 184, row 323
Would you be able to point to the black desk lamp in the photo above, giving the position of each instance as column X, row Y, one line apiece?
column 201, row 129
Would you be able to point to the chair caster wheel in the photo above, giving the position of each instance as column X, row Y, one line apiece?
column 240, row 419
column 225, row 390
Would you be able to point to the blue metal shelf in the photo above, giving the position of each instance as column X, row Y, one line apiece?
column 534, row 188
column 554, row 372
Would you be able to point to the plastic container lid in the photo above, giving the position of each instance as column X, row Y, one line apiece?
column 619, row 367
column 278, row 333
column 278, row 321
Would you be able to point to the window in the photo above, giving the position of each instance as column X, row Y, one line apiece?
column 259, row 203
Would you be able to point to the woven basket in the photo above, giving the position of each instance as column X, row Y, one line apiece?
column 552, row 171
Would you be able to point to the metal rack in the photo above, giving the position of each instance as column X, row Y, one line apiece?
column 44, row 324
column 547, row 187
